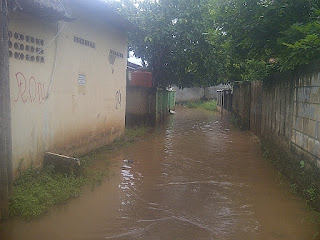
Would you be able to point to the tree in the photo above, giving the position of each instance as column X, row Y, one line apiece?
column 173, row 44
column 203, row 42
column 301, row 44
column 252, row 29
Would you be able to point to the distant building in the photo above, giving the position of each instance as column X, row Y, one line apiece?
column 131, row 67
column 68, row 61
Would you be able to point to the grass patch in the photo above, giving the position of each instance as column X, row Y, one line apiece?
column 134, row 133
column 205, row 105
column 36, row 191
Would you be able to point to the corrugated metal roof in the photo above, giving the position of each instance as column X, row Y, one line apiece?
column 54, row 10
column 101, row 10
column 48, row 9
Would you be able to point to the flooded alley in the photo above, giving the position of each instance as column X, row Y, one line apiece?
column 195, row 178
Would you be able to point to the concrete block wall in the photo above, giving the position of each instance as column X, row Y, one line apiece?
column 306, row 115
column 197, row 93
column 286, row 109
column 188, row 94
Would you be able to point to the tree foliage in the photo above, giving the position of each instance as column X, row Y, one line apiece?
column 266, row 35
column 173, row 42
column 301, row 43
column 203, row 42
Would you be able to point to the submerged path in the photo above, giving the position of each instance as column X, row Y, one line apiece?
column 197, row 178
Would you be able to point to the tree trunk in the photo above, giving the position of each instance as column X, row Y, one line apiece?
column 5, row 114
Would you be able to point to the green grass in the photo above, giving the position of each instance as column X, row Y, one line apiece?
column 205, row 105
column 135, row 132
column 36, row 191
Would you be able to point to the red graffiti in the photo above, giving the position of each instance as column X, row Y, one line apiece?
column 29, row 90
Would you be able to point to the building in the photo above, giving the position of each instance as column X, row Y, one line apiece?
column 131, row 67
column 68, row 61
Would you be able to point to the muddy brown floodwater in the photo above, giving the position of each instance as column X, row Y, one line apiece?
column 196, row 178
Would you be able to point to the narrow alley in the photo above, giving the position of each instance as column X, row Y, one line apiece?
column 197, row 177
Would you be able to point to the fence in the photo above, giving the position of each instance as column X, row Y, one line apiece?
column 285, row 109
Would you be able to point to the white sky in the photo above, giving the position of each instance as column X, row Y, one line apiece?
column 133, row 59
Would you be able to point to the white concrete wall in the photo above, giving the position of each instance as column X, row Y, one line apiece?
column 188, row 94
column 50, row 110
column 196, row 93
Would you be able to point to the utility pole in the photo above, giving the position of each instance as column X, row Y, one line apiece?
column 5, row 113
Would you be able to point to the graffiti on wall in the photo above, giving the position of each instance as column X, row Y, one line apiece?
column 118, row 99
column 29, row 89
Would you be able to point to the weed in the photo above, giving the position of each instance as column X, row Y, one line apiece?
column 135, row 132
column 310, row 194
column 206, row 105
column 35, row 192
column 20, row 166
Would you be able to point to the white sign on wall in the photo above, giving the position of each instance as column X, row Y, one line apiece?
column 82, row 79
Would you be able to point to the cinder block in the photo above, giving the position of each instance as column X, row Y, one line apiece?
column 311, row 128
column 310, row 147
column 305, row 123
column 315, row 81
column 300, row 94
column 317, row 148
column 307, row 80
column 312, row 111
column 316, row 112
column 306, row 94
column 293, row 136
column 299, row 139
column 314, row 78
column 297, row 123
column 315, row 95
column 303, row 109
column 305, row 140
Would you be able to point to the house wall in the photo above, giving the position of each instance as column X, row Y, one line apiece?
column 51, row 111
column 138, row 108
